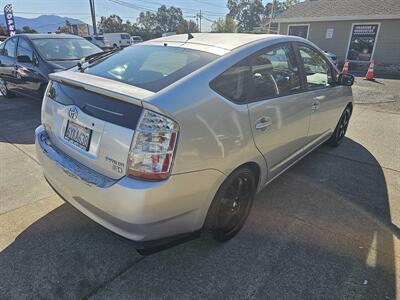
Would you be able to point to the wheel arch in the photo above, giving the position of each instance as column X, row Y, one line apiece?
column 255, row 168
column 350, row 105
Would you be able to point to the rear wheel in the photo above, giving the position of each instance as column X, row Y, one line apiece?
column 4, row 90
column 341, row 128
column 231, row 205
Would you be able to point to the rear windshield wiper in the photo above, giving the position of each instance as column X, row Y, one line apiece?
column 96, row 56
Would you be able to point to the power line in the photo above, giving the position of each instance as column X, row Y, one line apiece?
column 208, row 3
column 138, row 7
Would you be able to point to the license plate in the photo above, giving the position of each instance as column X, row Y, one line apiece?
column 78, row 135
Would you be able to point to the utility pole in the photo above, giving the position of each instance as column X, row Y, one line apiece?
column 93, row 13
column 271, row 17
column 200, row 16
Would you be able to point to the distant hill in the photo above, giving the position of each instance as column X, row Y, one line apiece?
column 43, row 23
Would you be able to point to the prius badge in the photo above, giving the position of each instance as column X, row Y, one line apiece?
column 73, row 113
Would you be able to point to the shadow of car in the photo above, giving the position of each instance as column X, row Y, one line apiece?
column 321, row 230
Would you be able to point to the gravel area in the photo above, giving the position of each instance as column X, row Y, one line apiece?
column 369, row 94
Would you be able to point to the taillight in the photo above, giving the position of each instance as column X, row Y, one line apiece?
column 152, row 150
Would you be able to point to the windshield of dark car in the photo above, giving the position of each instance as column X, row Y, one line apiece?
column 64, row 48
column 151, row 67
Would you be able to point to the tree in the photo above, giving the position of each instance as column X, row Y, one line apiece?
column 279, row 7
column 65, row 28
column 169, row 18
column 247, row 13
column 226, row 24
column 112, row 23
column 147, row 21
column 187, row 26
column 27, row 29
column 3, row 30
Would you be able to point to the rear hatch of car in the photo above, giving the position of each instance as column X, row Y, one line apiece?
column 92, row 119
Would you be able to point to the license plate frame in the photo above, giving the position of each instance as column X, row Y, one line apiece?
column 73, row 134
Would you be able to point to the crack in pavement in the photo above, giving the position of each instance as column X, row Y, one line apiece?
column 120, row 273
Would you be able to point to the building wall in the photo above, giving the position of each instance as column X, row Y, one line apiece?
column 387, row 48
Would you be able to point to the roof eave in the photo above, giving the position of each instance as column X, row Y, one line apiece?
column 337, row 18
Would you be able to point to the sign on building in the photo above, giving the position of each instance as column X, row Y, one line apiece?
column 362, row 42
column 329, row 33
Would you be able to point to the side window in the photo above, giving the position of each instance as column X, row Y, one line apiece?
column 9, row 48
column 231, row 84
column 274, row 73
column 24, row 49
column 317, row 70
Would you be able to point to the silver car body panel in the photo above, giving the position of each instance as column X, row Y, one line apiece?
column 138, row 210
column 216, row 136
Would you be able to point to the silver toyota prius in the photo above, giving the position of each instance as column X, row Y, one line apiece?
column 171, row 136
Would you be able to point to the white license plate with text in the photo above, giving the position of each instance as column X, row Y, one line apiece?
column 78, row 135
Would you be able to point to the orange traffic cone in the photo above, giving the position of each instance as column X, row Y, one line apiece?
column 370, row 73
column 346, row 67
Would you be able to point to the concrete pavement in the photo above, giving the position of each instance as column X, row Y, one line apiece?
column 327, row 228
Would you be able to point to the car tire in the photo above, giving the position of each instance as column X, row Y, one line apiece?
column 4, row 90
column 341, row 128
column 115, row 46
column 231, row 205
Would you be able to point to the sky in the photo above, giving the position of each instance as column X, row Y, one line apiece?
column 80, row 9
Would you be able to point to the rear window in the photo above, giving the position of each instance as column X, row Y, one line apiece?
column 151, row 67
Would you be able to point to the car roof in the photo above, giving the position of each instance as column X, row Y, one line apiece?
column 217, row 43
column 33, row 36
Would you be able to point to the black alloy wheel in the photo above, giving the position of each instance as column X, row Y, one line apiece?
column 4, row 90
column 231, row 205
column 341, row 128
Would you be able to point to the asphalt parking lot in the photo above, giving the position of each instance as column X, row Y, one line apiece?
column 327, row 228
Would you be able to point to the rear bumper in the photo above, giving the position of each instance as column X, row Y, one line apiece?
column 138, row 210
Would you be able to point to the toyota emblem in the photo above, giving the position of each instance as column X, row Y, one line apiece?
column 73, row 113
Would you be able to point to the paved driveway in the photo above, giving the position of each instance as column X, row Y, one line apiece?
column 327, row 228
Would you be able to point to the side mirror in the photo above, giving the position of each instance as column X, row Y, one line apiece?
column 24, row 59
column 345, row 79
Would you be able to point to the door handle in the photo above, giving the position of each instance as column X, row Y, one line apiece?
column 315, row 105
column 263, row 123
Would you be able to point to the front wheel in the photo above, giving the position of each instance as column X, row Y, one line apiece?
column 341, row 128
column 231, row 205
column 4, row 90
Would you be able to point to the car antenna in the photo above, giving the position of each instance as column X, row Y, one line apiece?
column 189, row 35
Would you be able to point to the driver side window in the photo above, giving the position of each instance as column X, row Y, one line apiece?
column 24, row 49
column 9, row 48
column 274, row 73
column 317, row 70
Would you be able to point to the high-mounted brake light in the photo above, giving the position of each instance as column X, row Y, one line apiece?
column 152, row 150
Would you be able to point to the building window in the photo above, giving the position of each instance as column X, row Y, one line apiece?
column 362, row 42
column 299, row 30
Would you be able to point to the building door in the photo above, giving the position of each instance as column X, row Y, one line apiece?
column 299, row 30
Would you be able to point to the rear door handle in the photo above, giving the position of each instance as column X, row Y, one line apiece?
column 315, row 105
column 263, row 123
